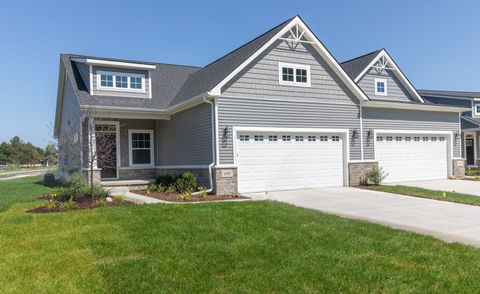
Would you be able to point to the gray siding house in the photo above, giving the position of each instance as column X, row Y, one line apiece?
column 470, row 119
column 280, row 112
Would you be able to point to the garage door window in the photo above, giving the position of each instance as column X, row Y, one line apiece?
column 259, row 138
column 312, row 138
column 323, row 138
column 286, row 138
column 299, row 138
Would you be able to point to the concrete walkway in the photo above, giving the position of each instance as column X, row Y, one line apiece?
column 461, row 186
column 448, row 221
column 133, row 197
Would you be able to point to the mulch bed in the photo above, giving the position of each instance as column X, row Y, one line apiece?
column 174, row 197
column 84, row 202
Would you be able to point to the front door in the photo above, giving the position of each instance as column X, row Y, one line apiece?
column 106, row 150
column 470, row 151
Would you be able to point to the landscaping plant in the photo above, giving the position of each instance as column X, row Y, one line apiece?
column 376, row 176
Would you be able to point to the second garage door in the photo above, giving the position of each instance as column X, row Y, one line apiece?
column 280, row 161
column 412, row 157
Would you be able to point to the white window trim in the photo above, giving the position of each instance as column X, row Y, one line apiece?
column 384, row 81
column 130, row 150
column 115, row 88
column 475, row 110
column 295, row 67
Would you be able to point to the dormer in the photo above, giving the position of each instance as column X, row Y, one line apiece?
column 116, row 78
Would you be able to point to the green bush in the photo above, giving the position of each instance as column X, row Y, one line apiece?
column 171, row 189
column 375, row 177
column 186, row 182
column 69, row 204
column 100, row 202
column 203, row 192
column 165, row 180
column 99, row 192
column 473, row 172
column 77, row 185
column 186, row 195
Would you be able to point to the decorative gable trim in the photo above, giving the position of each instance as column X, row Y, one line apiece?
column 388, row 64
column 306, row 36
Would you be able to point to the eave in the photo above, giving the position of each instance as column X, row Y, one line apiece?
column 413, row 106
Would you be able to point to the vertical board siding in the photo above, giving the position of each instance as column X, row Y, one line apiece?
column 97, row 91
column 261, row 78
column 248, row 112
column 397, row 119
column 186, row 139
column 69, row 136
column 395, row 90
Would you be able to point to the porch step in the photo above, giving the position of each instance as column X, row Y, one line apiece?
column 131, row 184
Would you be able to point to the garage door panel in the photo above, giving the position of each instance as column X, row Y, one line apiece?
column 405, row 158
column 291, row 164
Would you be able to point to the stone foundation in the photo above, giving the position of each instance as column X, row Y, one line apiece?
column 225, row 180
column 150, row 173
column 358, row 170
column 96, row 175
column 459, row 168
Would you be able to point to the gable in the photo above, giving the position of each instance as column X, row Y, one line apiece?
column 260, row 78
column 395, row 90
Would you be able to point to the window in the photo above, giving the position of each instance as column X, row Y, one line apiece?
column 408, row 139
column 106, row 80
column 335, row 138
column 381, row 87
column 259, row 138
column 312, row 138
column 244, row 138
column 389, row 138
column 121, row 81
column 416, row 139
column 273, row 138
column 399, row 139
column 379, row 138
column 323, row 138
column 298, row 138
column 141, row 147
column 286, row 138
column 477, row 109
column 425, row 139
column 442, row 139
column 434, row 139
column 294, row 74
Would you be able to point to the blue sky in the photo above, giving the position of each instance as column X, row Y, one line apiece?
column 436, row 43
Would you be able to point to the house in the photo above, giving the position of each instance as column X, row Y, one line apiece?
column 280, row 112
column 470, row 119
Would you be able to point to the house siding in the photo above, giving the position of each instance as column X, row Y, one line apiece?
column 134, row 124
column 395, row 90
column 70, row 132
column 97, row 91
column 397, row 119
column 186, row 139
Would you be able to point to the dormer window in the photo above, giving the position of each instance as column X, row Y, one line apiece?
column 294, row 74
column 381, row 87
column 477, row 109
column 121, row 81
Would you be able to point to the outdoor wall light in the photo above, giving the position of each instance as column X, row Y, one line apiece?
column 370, row 134
column 354, row 134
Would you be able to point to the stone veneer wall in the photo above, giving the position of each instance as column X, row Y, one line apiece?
column 149, row 173
column 225, row 180
column 459, row 168
column 358, row 170
column 96, row 175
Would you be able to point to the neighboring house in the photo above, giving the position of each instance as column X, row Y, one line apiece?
column 277, row 113
column 470, row 119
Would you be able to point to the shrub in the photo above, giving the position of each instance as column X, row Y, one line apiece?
column 118, row 200
column 165, row 180
column 63, row 194
column 69, row 204
column 156, row 188
column 185, row 195
column 186, row 182
column 100, row 202
column 376, row 176
column 171, row 189
column 99, row 192
column 52, row 204
column 473, row 172
column 203, row 192
column 77, row 185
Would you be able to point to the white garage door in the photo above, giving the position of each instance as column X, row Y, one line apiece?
column 412, row 157
column 281, row 161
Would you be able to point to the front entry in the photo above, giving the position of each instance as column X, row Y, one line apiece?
column 106, row 150
column 470, row 151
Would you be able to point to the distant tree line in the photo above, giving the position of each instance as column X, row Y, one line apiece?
column 20, row 153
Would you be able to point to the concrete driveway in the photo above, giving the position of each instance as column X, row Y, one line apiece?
column 461, row 186
column 448, row 221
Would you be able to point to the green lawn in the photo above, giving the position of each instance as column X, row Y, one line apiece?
column 430, row 194
column 216, row 247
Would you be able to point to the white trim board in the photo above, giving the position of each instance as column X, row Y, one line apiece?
column 110, row 63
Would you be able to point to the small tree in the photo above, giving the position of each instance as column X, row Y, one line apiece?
column 50, row 155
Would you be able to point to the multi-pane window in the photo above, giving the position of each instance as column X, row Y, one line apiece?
column 434, row 139
column 121, row 81
column 106, row 80
column 135, row 82
column 442, row 139
column 286, row 138
column 323, row 138
column 259, row 138
column 335, row 138
column 312, row 138
column 298, row 138
column 389, row 138
column 380, row 87
column 141, row 147
column 408, row 139
column 273, row 138
column 244, row 138
column 380, row 138
column 294, row 74
column 398, row 138
column 425, row 139
column 416, row 139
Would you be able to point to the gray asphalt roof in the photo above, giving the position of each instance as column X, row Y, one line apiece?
column 171, row 84
column 453, row 94
column 355, row 66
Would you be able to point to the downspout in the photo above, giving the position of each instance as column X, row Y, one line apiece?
column 361, row 131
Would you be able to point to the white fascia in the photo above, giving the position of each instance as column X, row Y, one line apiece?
column 120, row 64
